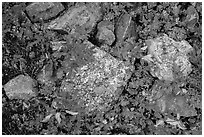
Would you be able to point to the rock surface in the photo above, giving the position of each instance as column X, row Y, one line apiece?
column 168, row 57
column 105, row 33
column 44, row 10
column 78, row 18
column 96, row 83
column 20, row 87
column 124, row 27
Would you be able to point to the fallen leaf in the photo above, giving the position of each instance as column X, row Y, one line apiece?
column 47, row 118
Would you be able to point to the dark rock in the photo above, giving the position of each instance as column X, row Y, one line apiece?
column 43, row 10
column 80, row 18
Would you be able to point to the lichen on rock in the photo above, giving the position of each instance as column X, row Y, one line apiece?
column 167, row 56
column 97, row 82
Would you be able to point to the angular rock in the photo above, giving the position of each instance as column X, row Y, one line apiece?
column 96, row 84
column 20, row 87
column 168, row 58
column 44, row 10
column 78, row 18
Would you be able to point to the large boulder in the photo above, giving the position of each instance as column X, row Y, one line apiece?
column 20, row 87
column 44, row 10
column 97, row 84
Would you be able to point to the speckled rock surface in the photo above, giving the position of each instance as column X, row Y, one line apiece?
column 20, row 87
column 96, row 83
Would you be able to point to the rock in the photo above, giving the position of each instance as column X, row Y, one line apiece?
column 20, row 87
column 44, row 10
column 123, row 27
column 97, row 83
column 192, row 17
column 105, row 33
column 80, row 18
column 168, row 58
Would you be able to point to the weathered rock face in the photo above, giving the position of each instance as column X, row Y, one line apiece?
column 79, row 18
column 44, row 10
column 167, row 56
column 96, row 84
column 20, row 87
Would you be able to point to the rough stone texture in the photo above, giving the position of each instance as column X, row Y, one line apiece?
column 44, row 10
column 105, row 33
column 96, row 84
column 20, row 87
column 79, row 18
column 168, row 57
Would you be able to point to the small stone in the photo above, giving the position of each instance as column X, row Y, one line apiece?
column 106, row 36
column 20, row 87
column 105, row 33
column 44, row 10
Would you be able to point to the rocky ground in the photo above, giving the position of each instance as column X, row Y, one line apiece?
column 102, row 68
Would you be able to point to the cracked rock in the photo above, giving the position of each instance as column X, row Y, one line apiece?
column 20, row 87
column 44, row 10
column 97, row 83
column 168, row 58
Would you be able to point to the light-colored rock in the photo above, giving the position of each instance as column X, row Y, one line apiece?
column 167, row 56
column 20, row 87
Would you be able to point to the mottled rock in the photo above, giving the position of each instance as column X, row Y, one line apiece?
column 44, row 10
column 168, row 58
column 105, row 33
column 97, row 83
column 20, row 87
column 80, row 18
